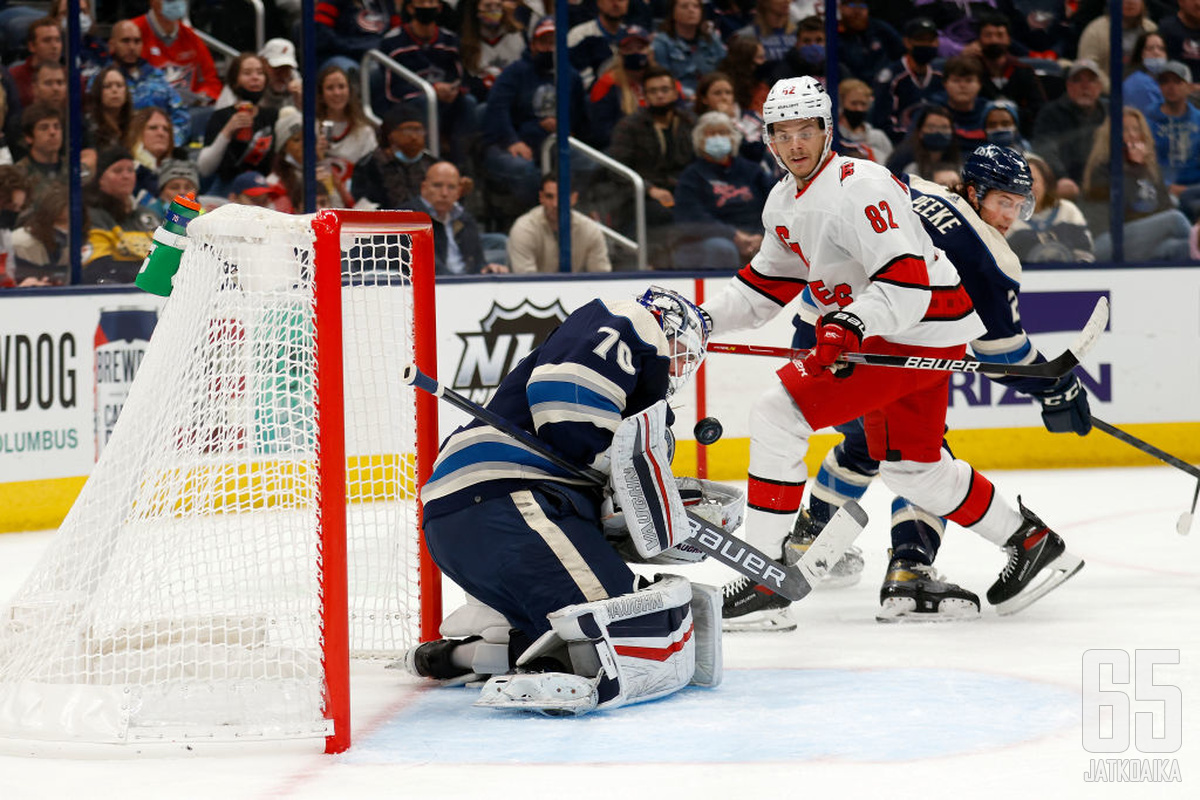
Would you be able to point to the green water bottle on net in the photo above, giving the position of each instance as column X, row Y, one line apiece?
column 170, row 240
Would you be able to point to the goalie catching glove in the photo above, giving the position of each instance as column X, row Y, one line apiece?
column 718, row 504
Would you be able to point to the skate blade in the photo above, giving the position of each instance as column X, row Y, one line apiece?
column 776, row 620
column 903, row 610
column 1055, row 573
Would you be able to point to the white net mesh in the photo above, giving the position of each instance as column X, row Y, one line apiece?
column 182, row 595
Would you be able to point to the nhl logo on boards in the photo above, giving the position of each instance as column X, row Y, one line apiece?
column 505, row 336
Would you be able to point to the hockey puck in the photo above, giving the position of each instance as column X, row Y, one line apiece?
column 708, row 430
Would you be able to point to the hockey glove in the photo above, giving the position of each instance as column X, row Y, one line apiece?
column 1065, row 407
column 837, row 332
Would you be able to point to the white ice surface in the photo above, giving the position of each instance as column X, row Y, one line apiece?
column 842, row 708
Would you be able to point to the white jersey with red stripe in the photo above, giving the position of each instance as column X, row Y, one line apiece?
column 852, row 237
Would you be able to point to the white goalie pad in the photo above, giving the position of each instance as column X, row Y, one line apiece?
column 706, row 616
column 643, row 485
column 627, row 649
column 476, row 619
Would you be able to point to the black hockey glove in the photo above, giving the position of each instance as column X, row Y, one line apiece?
column 1065, row 407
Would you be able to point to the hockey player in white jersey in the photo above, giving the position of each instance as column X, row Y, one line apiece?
column 846, row 229
column 968, row 224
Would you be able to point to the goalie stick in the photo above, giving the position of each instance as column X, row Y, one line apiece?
column 1049, row 370
column 1184, row 524
column 793, row 582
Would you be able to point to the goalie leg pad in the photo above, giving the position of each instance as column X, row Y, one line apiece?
column 643, row 643
column 629, row 649
column 475, row 618
column 706, row 615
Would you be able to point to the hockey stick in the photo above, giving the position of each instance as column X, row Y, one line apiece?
column 1184, row 525
column 792, row 582
column 1049, row 370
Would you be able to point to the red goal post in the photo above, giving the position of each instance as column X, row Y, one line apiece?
column 254, row 520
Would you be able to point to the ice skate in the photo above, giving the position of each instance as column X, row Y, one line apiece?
column 432, row 660
column 747, row 606
column 915, row 592
column 848, row 569
column 1038, row 562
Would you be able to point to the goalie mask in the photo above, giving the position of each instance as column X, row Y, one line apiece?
column 687, row 327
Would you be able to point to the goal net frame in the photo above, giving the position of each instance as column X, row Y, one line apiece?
column 302, row 276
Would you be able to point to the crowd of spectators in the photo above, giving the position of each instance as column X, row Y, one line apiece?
column 671, row 89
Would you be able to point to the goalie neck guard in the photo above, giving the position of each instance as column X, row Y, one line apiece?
column 687, row 327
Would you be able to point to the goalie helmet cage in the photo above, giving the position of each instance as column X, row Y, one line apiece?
column 253, row 521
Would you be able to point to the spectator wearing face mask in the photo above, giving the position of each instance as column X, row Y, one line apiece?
column 174, row 47
column 807, row 55
column 521, row 114
column 930, row 146
column 655, row 142
column 1004, row 75
column 1093, row 42
column 719, row 200
column 617, row 93
column 93, row 51
column 391, row 176
column 1148, row 59
column 866, row 140
column 1001, row 125
column 904, row 86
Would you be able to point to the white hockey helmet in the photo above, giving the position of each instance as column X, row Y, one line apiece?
column 687, row 327
column 798, row 98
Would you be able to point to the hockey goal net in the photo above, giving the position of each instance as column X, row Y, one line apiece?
column 253, row 521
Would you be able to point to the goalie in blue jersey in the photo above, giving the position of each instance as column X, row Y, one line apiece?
column 548, row 592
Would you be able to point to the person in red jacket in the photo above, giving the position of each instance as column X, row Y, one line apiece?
column 178, row 51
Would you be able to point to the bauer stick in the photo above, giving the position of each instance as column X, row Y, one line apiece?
column 793, row 582
column 1184, row 524
column 1049, row 370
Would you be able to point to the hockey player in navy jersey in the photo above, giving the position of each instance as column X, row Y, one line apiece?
column 846, row 229
column 523, row 537
column 968, row 224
